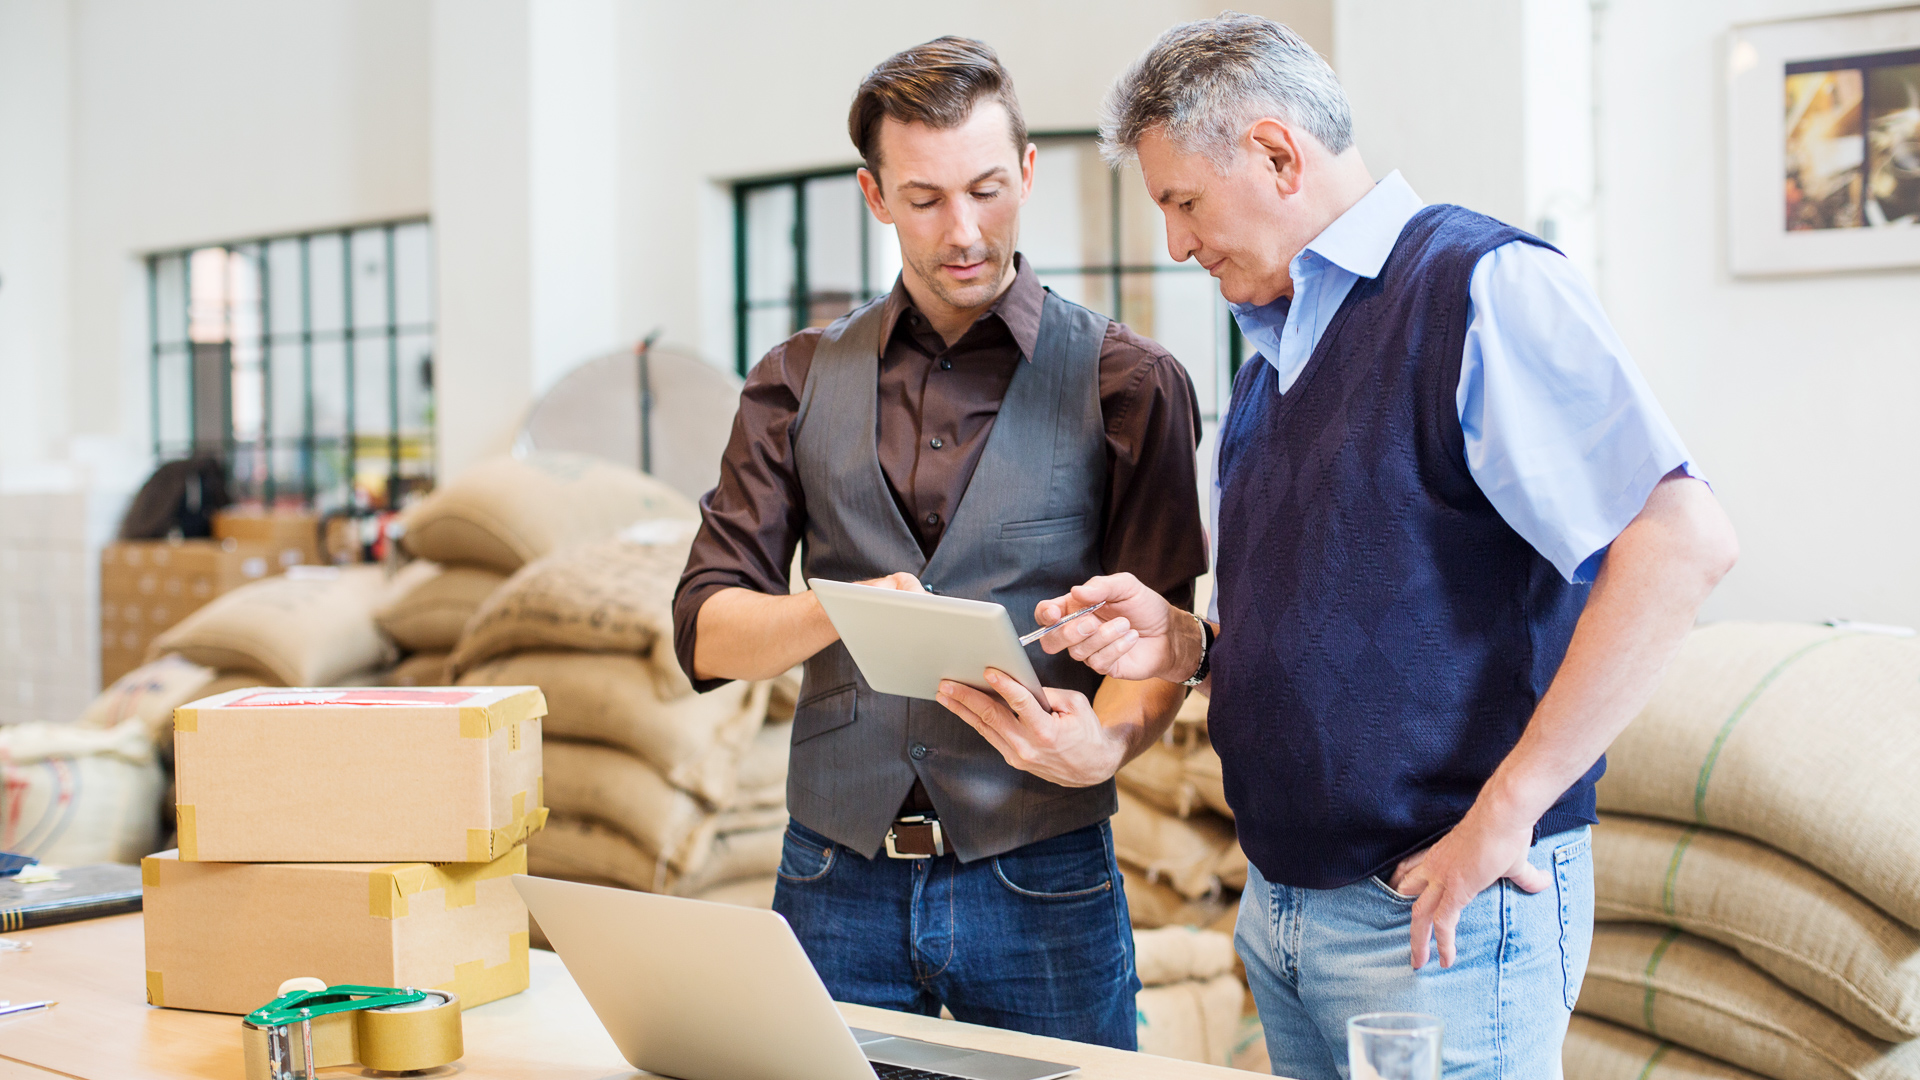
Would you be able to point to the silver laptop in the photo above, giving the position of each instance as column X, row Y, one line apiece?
column 704, row 991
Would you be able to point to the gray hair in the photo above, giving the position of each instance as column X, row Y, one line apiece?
column 1204, row 82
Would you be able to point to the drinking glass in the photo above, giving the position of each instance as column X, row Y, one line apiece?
column 1394, row 1046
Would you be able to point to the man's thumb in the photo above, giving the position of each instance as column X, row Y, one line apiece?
column 1529, row 877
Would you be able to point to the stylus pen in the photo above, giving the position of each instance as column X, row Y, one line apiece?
column 1045, row 630
column 26, row 1006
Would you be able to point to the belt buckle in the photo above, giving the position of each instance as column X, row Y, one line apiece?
column 939, row 838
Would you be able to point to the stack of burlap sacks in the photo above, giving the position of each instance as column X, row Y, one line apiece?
column 651, row 786
column 1757, row 866
column 1184, row 871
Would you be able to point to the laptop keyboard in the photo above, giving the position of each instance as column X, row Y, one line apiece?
column 906, row 1072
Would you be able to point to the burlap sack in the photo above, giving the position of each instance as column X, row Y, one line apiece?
column 1185, row 852
column 763, row 768
column 736, row 856
column 1203, row 773
column 148, row 693
column 1159, row 778
column 312, row 626
column 427, row 605
column 1250, row 1046
column 611, row 596
column 1229, row 916
column 1192, row 1021
column 786, row 695
column 694, row 741
column 420, row 669
column 1704, row 997
column 598, row 783
column 1790, row 920
column 505, row 512
column 1232, row 868
column 78, row 795
column 1805, row 738
column 753, row 893
column 1177, row 953
column 1597, row 1050
column 750, row 819
column 1152, row 903
column 579, row 849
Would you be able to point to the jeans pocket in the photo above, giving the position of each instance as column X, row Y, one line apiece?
column 1573, row 885
column 1391, row 893
column 805, row 858
column 1069, row 867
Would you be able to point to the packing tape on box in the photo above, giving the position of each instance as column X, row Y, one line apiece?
column 388, row 887
column 409, row 1036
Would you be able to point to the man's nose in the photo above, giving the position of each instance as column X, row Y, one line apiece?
column 963, row 224
column 1181, row 243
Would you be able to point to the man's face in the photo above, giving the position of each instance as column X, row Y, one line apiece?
column 954, row 198
column 1242, row 227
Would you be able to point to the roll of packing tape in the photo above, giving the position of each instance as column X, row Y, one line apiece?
column 417, row 1035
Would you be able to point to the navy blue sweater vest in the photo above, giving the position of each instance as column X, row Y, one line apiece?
column 1385, row 635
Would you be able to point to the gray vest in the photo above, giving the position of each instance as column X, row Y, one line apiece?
column 1028, row 527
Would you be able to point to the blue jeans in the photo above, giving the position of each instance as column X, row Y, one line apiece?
column 1316, row 957
column 1035, row 940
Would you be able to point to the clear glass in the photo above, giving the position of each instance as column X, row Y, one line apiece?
column 1394, row 1046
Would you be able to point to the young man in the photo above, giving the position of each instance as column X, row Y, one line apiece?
column 1458, row 541
column 975, row 433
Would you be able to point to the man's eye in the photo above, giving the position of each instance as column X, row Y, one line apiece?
column 924, row 205
column 1187, row 207
column 990, row 193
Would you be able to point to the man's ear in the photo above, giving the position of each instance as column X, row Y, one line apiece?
column 876, row 202
column 1027, row 161
column 1273, row 143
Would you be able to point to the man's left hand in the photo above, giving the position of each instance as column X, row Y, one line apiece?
column 1458, row 867
column 1069, row 745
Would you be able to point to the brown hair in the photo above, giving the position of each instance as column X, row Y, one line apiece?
column 936, row 84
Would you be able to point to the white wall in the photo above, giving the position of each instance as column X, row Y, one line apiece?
column 210, row 120
column 1797, row 394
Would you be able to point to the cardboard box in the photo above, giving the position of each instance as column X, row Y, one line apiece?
column 148, row 585
column 358, row 775
column 222, row 937
column 293, row 536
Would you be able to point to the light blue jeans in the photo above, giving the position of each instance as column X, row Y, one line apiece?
column 1316, row 957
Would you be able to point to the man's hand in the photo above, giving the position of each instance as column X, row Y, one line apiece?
column 1138, row 635
column 898, row 582
column 1069, row 746
column 1457, row 868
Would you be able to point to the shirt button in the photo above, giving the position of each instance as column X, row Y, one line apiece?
column 918, row 751
column 933, row 519
column 946, row 365
column 935, row 443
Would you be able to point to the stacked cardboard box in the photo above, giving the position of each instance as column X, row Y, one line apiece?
column 146, row 586
column 353, row 835
column 291, row 537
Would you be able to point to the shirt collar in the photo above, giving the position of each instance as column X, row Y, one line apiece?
column 1018, row 308
column 1360, row 240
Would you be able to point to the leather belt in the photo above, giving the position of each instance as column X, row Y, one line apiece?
column 916, row 836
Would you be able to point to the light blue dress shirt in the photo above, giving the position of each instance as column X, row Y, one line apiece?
column 1563, row 434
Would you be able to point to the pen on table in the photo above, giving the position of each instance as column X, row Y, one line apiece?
column 26, row 1006
column 1045, row 630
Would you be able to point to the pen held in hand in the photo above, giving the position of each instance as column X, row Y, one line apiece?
column 1045, row 630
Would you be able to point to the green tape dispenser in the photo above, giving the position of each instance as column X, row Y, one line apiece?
column 384, row 1028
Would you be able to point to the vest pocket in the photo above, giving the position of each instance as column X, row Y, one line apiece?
column 1017, row 530
column 825, row 711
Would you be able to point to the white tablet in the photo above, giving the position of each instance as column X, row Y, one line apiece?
column 905, row 643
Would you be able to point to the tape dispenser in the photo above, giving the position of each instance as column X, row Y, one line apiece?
column 315, row 1026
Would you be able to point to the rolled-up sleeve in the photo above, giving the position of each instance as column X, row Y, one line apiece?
column 1563, row 435
column 752, row 521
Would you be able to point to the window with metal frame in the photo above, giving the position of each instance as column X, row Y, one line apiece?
column 806, row 252
column 305, row 361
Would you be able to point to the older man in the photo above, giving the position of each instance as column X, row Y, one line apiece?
column 1457, row 541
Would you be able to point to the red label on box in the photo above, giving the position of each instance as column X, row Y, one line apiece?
column 355, row 697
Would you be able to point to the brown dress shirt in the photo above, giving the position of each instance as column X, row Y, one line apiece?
column 936, row 407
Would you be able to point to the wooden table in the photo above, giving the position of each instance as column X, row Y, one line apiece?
column 104, row 1030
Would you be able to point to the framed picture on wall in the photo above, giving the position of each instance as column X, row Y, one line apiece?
column 1823, row 141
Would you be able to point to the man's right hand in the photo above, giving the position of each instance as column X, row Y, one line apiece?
column 900, row 582
column 1138, row 635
